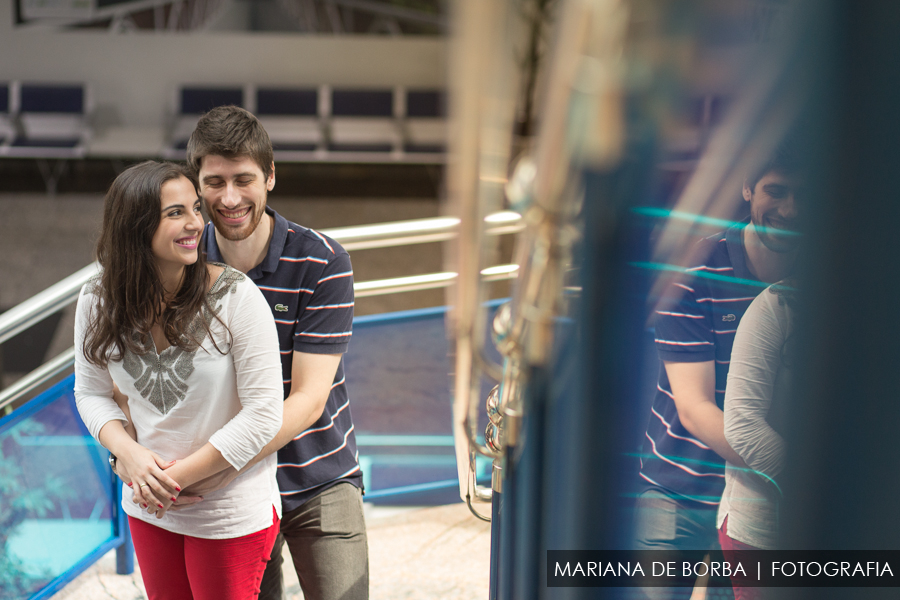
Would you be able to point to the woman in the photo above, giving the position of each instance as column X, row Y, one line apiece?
column 759, row 384
column 193, row 347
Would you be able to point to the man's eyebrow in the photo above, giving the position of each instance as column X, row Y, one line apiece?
column 209, row 178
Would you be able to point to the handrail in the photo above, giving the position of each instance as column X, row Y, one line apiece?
column 377, row 235
column 38, row 307
column 37, row 378
column 362, row 289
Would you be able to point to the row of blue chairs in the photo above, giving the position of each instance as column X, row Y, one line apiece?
column 309, row 121
column 305, row 123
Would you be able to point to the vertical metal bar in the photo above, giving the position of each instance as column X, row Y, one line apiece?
column 496, row 512
column 125, row 550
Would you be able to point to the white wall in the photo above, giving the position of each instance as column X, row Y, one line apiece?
column 134, row 76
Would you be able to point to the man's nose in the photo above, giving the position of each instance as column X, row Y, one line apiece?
column 230, row 196
column 788, row 208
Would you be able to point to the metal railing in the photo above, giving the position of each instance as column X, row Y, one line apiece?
column 363, row 237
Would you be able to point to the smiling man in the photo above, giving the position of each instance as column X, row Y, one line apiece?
column 682, row 464
column 308, row 282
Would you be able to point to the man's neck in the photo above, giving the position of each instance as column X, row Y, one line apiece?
column 248, row 253
column 764, row 264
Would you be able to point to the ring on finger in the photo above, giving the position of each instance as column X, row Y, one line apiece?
column 144, row 485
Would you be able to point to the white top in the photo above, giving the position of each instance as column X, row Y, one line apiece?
column 179, row 400
column 759, row 385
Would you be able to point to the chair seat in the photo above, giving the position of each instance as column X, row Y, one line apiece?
column 23, row 142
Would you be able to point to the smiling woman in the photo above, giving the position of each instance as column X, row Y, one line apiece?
column 176, row 239
column 186, row 353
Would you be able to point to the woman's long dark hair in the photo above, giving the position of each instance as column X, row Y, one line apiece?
column 132, row 297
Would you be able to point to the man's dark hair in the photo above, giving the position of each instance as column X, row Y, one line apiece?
column 232, row 132
column 785, row 160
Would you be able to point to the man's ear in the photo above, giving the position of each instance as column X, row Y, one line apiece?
column 747, row 192
column 270, row 182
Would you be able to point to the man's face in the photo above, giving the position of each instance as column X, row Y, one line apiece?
column 234, row 191
column 774, row 210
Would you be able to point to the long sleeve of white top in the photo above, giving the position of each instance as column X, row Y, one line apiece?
column 93, row 384
column 755, row 363
column 257, row 365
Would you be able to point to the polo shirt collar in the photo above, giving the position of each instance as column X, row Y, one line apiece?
column 734, row 241
column 276, row 246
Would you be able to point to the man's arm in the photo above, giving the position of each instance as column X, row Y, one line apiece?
column 312, row 376
column 694, row 390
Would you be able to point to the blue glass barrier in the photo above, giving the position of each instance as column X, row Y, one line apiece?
column 59, row 507
column 399, row 376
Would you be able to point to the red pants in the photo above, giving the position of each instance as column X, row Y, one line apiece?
column 181, row 567
column 738, row 583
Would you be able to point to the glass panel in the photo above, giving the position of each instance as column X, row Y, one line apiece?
column 56, row 494
column 398, row 374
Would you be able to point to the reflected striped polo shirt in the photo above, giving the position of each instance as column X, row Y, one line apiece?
column 696, row 322
column 307, row 280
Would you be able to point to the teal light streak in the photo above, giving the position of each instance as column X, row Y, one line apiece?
column 710, row 464
column 700, row 274
column 664, row 213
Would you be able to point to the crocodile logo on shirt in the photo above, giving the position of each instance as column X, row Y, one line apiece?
column 728, row 317
column 281, row 308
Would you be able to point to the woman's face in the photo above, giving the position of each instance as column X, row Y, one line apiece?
column 178, row 235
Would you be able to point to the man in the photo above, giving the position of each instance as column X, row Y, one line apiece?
column 682, row 465
column 308, row 282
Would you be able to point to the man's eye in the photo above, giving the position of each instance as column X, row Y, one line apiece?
column 244, row 181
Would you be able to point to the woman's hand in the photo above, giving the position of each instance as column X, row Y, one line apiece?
column 153, row 489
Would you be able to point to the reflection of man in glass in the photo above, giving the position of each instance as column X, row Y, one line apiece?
column 685, row 450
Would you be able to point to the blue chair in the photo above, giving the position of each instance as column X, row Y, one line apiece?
column 291, row 117
column 425, row 125
column 191, row 103
column 53, row 119
column 363, row 121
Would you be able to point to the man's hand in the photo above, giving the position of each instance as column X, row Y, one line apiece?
column 212, row 483
column 694, row 391
column 183, row 501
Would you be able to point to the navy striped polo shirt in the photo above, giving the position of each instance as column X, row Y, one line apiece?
column 307, row 280
column 696, row 322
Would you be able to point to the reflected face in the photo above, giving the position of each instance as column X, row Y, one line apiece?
column 774, row 210
column 234, row 191
column 177, row 237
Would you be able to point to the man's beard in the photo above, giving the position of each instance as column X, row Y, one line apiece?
column 237, row 234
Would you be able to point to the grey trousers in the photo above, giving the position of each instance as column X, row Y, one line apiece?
column 327, row 540
column 664, row 522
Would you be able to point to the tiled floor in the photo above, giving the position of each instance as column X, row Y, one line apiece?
column 429, row 553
